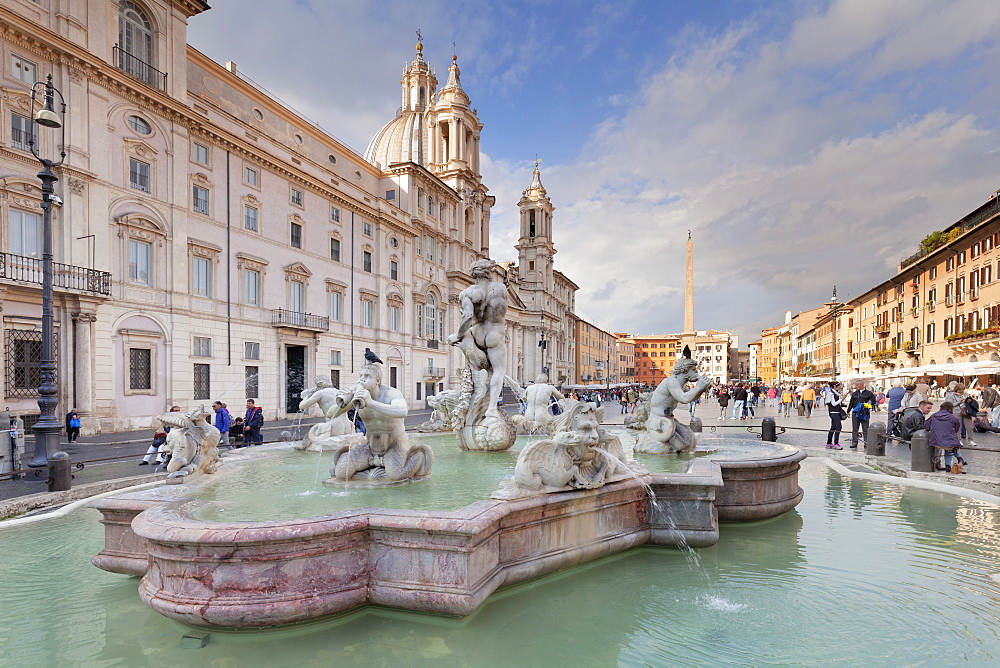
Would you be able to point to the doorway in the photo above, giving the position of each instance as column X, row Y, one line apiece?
column 295, row 377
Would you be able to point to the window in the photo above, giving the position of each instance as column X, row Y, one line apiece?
column 390, row 194
column 420, row 319
column 335, row 358
column 336, row 306
column 139, row 261
column 366, row 228
column 394, row 242
column 251, row 374
column 430, row 317
column 430, row 248
column 297, row 297
column 961, row 258
column 138, row 175
column 200, row 153
column 22, row 132
column 201, row 276
column 296, row 197
column 335, row 250
column 950, row 264
column 139, row 125
column 202, row 386
column 332, row 158
column 258, row 114
column 251, row 350
column 202, row 347
column 335, row 377
column 140, row 369
column 334, row 214
column 251, row 176
column 933, row 273
column 367, row 261
column 298, row 138
column 135, row 38
column 251, row 287
column 367, row 314
column 250, row 218
column 394, row 318
column 25, row 233
column 296, row 235
column 394, row 270
column 200, row 198
column 23, row 69
column 441, row 325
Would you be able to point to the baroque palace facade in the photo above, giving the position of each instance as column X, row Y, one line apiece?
column 214, row 244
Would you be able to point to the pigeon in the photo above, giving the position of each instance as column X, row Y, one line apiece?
column 371, row 357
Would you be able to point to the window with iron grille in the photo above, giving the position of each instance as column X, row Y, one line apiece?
column 138, row 175
column 335, row 377
column 251, row 350
column 251, row 375
column 200, row 198
column 140, row 372
column 202, row 388
column 22, row 132
column 24, row 361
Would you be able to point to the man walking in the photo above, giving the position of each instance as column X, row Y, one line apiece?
column 860, row 408
column 222, row 421
column 895, row 395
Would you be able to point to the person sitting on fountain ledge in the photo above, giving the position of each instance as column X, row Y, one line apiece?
column 386, row 453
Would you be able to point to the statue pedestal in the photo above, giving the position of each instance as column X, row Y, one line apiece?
column 491, row 433
column 331, row 443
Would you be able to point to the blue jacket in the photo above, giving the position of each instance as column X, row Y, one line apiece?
column 222, row 419
column 895, row 397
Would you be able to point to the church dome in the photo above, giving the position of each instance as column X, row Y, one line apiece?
column 400, row 140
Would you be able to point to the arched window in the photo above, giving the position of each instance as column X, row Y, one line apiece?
column 135, row 39
column 430, row 317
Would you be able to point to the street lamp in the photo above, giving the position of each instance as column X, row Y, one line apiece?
column 47, row 428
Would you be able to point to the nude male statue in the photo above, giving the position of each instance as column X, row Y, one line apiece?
column 387, row 452
column 538, row 397
column 481, row 333
column 664, row 432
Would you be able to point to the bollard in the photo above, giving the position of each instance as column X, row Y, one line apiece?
column 875, row 443
column 768, row 430
column 59, row 472
column 695, row 425
column 921, row 460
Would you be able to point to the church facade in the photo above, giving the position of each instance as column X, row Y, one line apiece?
column 214, row 244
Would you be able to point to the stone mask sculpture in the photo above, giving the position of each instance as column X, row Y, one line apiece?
column 193, row 445
column 580, row 455
column 481, row 337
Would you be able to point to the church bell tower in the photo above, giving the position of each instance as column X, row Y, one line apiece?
column 535, row 249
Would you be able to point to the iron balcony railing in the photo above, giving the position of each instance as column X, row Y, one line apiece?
column 433, row 372
column 433, row 344
column 284, row 318
column 25, row 269
column 140, row 69
column 970, row 222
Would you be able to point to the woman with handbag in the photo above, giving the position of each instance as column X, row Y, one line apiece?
column 834, row 407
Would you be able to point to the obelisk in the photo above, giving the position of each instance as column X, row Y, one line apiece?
column 689, row 288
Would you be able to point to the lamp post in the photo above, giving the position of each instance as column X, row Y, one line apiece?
column 48, row 427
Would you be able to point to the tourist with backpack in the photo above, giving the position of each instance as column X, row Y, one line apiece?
column 860, row 408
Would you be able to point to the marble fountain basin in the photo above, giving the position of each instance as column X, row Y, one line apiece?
column 245, row 574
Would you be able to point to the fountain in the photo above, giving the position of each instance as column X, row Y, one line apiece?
column 338, row 430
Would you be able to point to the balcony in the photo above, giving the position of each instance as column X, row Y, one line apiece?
column 433, row 344
column 949, row 300
column 974, row 294
column 23, row 269
column 886, row 356
column 973, row 336
column 433, row 372
column 140, row 69
column 960, row 298
column 910, row 347
column 284, row 318
column 882, row 329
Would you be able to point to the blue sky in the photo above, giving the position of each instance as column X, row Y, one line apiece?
column 805, row 144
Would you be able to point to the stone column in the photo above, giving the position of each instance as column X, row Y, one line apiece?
column 452, row 139
column 83, row 370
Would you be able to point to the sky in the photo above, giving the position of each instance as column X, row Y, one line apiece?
column 803, row 144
